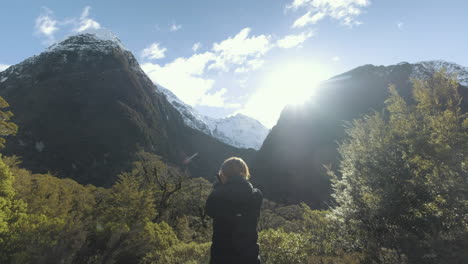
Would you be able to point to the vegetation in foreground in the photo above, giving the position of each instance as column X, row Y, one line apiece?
column 400, row 197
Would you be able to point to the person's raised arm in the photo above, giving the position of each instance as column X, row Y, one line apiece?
column 214, row 202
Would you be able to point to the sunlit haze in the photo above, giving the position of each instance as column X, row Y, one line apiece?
column 287, row 82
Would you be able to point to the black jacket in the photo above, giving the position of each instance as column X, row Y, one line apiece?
column 235, row 208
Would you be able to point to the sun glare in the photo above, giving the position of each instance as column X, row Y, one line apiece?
column 292, row 83
column 289, row 83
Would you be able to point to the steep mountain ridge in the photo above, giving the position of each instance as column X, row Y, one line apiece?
column 289, row 166
column 425, row 68
column 239, row 130
column 84, row 108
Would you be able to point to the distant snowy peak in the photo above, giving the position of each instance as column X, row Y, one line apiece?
column 239, row 130
column 102, row 41
column 425, row 68
column 191, row 117
column 419, row 70
column 85, row 44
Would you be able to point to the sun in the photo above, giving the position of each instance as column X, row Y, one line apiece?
column 292, row 82
column 288, row 83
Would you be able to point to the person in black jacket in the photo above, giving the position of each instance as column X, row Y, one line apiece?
column 234, row 206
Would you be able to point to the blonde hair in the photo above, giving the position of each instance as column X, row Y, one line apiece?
column 235, row 166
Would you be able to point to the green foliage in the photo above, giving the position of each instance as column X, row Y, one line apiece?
column 160, row 235
column 146, row 213
column 182, row 253
column 6, row 128
column 323, row 236
column 55, row 220
column 6, row 182
column 279, row 247
column 12, row 213
column 187, row 213
column 127, row 204
column 274, row 216
column 403, row 183
column 159, row 179
column 400, row 198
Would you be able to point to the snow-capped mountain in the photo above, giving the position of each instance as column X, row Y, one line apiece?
column 418, row 70
column 239, row 131
column 85, row 109
column 191, row 117
column 427, row 68
column 86, row 47
column 289, row 166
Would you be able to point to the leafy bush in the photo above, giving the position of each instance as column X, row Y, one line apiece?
column 402, row 184
column 182, row 253
column 279, row 247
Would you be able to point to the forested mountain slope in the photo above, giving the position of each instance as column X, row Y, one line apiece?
column 290, row 165
column 85, row 107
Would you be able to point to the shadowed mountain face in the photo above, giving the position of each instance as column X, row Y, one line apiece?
column 84, row 108
column 289, row 166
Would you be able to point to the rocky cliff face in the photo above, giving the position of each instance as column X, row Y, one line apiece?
column 84, row 108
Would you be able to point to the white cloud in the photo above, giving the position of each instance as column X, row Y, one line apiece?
column 250, row 65
column 240, row 49
column 85, row 23
column 154, row 52
column 400, row 25
column 336, row 58
column 175, row 27
column 183, row 76
column 196, row 46
column 307, row 19
column 345, row 11
column 298, row 3
column 3, row 67
column 46, row 25
column 243, row 83
column 189, row 79
column 294, row 40
column 217, row 99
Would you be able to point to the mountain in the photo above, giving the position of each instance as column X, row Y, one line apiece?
column 84, row 108
column 239, row 130
column 289, row 166
column 427, row 68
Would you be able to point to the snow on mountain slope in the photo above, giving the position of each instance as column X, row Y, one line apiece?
column 239, row 131
column 191, row 117
column 418, row 70
column 425, row 68
column 95, row 42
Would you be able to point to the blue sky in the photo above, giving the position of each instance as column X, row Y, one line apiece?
column 252, row 57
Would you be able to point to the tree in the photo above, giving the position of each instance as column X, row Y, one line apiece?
column 12, row 214
column 181, row 253
column 129, row 216
column 163, row 180
column 187, row 211
column 402, row 186
column 56, row 216
column 280, row 247
column 6, row 128
column 122, row 215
